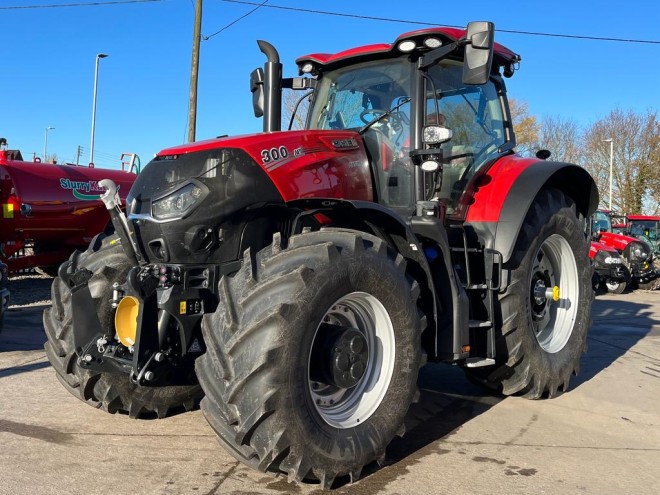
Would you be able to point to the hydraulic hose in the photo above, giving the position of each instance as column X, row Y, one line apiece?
column 112, row 202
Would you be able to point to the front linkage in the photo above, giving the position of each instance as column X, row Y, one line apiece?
column 157, row 320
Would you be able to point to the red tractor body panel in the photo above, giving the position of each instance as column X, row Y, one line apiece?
column 617, row 241
column 52, row 205
column 493, row 188
column 598, row 246
column 501, row 54
column 639, row 218
column 303, row 164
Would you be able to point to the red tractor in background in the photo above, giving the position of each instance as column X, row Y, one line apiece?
column 49, row 211
column 298, row 280
column 637, row 254
column 610, row 270
column 646, row 228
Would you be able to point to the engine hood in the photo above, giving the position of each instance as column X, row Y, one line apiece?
column 617, row 241
column 302, row 164
column 206, row 201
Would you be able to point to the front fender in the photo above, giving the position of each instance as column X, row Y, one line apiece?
column 507, row 190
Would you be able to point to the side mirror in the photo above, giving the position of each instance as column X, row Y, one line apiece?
column 257, row 90
column 480, row 38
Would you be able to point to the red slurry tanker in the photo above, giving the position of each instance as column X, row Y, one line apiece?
column 50, row 209
column 298, row 280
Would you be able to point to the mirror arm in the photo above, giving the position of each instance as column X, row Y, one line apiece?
column 433, row 56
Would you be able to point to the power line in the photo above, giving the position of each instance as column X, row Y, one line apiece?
column 423, row 23
column 90, row 4
column 206, row 38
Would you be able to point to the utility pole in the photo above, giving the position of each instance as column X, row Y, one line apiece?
column 192, row 106
column 78, row 151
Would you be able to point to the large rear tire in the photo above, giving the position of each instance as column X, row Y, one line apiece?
column 313, row 355
column 112, row 392
column 545, row 310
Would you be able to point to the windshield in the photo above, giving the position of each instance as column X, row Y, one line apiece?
column 354, row 96
column 348, row 98
column 644, row 228
column 601, row 222
column 378, row 92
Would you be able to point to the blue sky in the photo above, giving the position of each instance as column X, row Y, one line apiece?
column 48, row 57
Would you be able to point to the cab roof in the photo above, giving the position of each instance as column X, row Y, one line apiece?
column 502, row 56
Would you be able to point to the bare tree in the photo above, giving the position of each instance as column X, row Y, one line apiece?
column 636, row 159
column 562, row 137
column 293, row 106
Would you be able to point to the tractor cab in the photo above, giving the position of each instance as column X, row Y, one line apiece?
column 430, row 109
column 461, row 125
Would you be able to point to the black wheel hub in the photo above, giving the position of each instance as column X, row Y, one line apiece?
column 339, row 356
column 540, row 282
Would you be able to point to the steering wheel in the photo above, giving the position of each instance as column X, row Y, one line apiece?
column 373, row 112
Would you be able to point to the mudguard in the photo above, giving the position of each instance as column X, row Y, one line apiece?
column 506, row 191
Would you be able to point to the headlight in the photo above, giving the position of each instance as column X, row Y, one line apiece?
column 610, row 260
column 179, row 203
column 637, row 251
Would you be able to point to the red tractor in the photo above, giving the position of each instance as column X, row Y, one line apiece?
column 647, row 228
column 636, row 253
column 49, row 210
column 610, row 270
column 300, row 279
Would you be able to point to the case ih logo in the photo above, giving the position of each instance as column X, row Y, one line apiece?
column 86, row 186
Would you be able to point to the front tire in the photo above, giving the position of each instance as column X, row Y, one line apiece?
column 112, row 392
column 313, row 355
column 545, row 310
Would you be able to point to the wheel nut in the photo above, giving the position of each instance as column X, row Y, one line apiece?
column 357, row 370
column 357, row 344
column 342, row 362
column 88, row 358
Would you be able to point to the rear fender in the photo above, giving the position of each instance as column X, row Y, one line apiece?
column 508, row 189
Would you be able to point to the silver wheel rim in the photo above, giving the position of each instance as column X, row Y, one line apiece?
column 348, row 407
column 612, row 286
column 555, row 292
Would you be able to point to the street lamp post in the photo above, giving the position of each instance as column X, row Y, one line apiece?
column 96, row 81
column 46, row 143
column 611, row 141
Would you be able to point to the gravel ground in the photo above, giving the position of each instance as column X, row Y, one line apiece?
column 29, row 290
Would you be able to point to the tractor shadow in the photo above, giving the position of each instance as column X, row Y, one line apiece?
column 448, row 400
column 619, row 323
